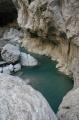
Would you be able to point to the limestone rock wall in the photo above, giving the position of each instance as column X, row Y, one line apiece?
column 52, row 28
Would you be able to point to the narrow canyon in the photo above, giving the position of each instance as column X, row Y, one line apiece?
column 45, row 27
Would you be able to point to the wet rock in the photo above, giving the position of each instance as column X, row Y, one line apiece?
column 19, row 101
column 28, row 60
column 10, row 53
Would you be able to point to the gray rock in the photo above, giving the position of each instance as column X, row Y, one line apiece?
column 53, row 30
column 19, row 101
column 10, row 67
column 10, row 53
column 59, row 17
column 0, row 69
column 17, row 67
column 28, row 60
column 69, row 108
column 6, row 70
column 10, row 35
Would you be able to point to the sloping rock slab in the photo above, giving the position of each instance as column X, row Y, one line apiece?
column 19, row 101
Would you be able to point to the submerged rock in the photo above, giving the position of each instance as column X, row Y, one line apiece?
column 19, row 101
column 10, row 53
column 28, row 60
column 69, row 108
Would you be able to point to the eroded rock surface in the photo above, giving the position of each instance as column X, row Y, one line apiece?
column 10, row 53
column 69, row 108
column 19, row 101
column 10, row 34
column 51, row 28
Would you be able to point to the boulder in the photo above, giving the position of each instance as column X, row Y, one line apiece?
column 10, row 53
column 19, row 101
column 69, row 108
column 10, row 67
column 17, row 67
column 28, row 60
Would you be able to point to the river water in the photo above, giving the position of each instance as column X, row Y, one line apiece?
column 48, row 80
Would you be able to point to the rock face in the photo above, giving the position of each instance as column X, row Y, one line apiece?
column 69, row 108
column 28, row 60
column 51, row 28
column 10, row 53
column 10, row 34
column 40, row 17
column 19, row 101
column 57, row 16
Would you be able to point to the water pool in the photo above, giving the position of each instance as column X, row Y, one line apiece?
column 48, row 80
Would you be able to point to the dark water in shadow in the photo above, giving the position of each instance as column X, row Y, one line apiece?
column 46, row 79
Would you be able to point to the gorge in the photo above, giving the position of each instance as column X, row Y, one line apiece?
column 51, row 28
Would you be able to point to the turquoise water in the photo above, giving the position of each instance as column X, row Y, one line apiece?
column 48, row 80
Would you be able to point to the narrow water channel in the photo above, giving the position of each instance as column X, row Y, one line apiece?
column 48, row 80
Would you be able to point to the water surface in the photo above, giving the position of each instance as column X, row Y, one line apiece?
column 48, row 80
